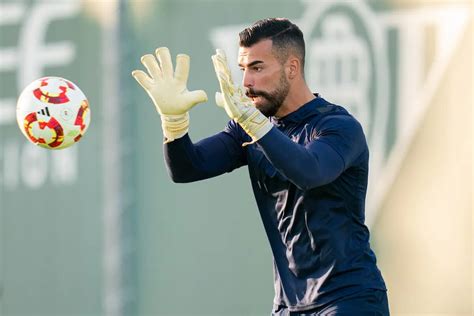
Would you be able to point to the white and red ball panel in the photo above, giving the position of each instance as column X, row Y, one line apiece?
column 53, row 113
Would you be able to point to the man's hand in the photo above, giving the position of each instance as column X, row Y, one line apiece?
column 168, row 91
column 237, row 105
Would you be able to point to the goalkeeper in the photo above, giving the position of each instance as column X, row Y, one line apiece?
column 307, row 159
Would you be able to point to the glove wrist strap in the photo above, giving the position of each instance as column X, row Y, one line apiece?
column 174, row 126
column 255, row 124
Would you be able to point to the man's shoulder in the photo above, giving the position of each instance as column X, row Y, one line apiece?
column 337, row 117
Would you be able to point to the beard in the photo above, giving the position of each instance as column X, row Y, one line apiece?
column 273, row 100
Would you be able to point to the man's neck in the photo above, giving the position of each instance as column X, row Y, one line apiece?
column 295, row 99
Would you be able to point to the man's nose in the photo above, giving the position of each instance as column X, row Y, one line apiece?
column 247, row 80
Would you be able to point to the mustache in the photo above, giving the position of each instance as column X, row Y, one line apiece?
column 255, row 93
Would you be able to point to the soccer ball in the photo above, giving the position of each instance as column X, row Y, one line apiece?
column 53, row 113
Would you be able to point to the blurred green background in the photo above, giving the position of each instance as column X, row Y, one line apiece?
column 100, row 229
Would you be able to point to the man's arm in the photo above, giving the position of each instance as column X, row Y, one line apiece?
column 323, row 159
column 210, row 157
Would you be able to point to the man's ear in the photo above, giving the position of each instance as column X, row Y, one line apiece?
column 293, row 67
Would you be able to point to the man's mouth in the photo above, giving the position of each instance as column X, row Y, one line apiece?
column 254, row 97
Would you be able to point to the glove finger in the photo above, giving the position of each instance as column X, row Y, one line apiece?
column 223, row 60
column 142, row 78
column 221, row 68
column 149, row 61
column 164, row 57
column 221, row 76
column 220, row 100
column 182, row 68
column 221, row 54
column 226, row 86
column 218, row 62
column 197, row 96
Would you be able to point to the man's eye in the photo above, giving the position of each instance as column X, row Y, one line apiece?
column 257, row 69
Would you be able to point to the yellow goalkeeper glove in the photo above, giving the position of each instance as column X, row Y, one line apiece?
column 168, row 91
column 238, row 106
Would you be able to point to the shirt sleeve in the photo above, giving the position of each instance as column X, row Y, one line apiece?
column 210, row 157
column 334, row 146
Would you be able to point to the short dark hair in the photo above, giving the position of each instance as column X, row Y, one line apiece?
column 286, row 37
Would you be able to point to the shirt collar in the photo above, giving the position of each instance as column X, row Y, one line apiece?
column 303, row 112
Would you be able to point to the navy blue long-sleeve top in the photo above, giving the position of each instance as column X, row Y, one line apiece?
column 309, row 176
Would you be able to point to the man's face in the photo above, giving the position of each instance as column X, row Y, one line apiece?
column 264, row 77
